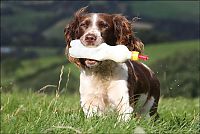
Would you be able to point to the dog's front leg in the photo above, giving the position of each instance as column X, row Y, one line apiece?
column 92, row 95
column 92, row 105
column 119, row 98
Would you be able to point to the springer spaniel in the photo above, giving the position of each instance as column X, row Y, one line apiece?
column 127, row 87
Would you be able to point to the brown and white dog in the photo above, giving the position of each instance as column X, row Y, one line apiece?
column 127, row 87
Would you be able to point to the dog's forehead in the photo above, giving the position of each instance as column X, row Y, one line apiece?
column 105, row 16
column 100, row 16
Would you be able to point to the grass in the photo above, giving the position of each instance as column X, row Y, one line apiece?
column 51, row 76
column 28, row 112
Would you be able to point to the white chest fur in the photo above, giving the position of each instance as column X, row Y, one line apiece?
column 99, row 90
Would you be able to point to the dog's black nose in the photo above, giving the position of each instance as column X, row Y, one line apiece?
column 90, row 38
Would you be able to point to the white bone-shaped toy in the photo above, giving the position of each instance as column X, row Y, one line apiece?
column 118, row 53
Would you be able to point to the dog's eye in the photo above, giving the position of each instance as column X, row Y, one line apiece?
column 104, row 25
column 84, row 25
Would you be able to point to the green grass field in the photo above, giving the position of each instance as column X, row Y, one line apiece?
column 29, row 112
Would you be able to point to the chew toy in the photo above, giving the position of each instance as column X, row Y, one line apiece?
column 119, row 53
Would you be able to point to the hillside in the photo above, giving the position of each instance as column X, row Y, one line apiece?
column 24, row 22
column 160, row 51
column 184, row 10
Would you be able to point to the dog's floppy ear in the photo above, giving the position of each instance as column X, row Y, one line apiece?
column 123, row 32
column 71, row 31
column 137, row 45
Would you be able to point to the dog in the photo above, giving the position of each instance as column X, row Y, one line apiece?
column 129, row 87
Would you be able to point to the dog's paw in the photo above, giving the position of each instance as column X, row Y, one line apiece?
column 125, row 115
column 92, row 111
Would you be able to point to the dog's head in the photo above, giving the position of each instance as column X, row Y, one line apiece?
column 95, row 28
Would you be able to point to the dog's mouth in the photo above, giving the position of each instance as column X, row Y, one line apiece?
column 91, row 63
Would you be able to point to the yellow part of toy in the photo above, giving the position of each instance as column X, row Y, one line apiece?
column 134, row 55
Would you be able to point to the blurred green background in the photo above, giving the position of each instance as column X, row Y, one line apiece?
column 32, row 43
